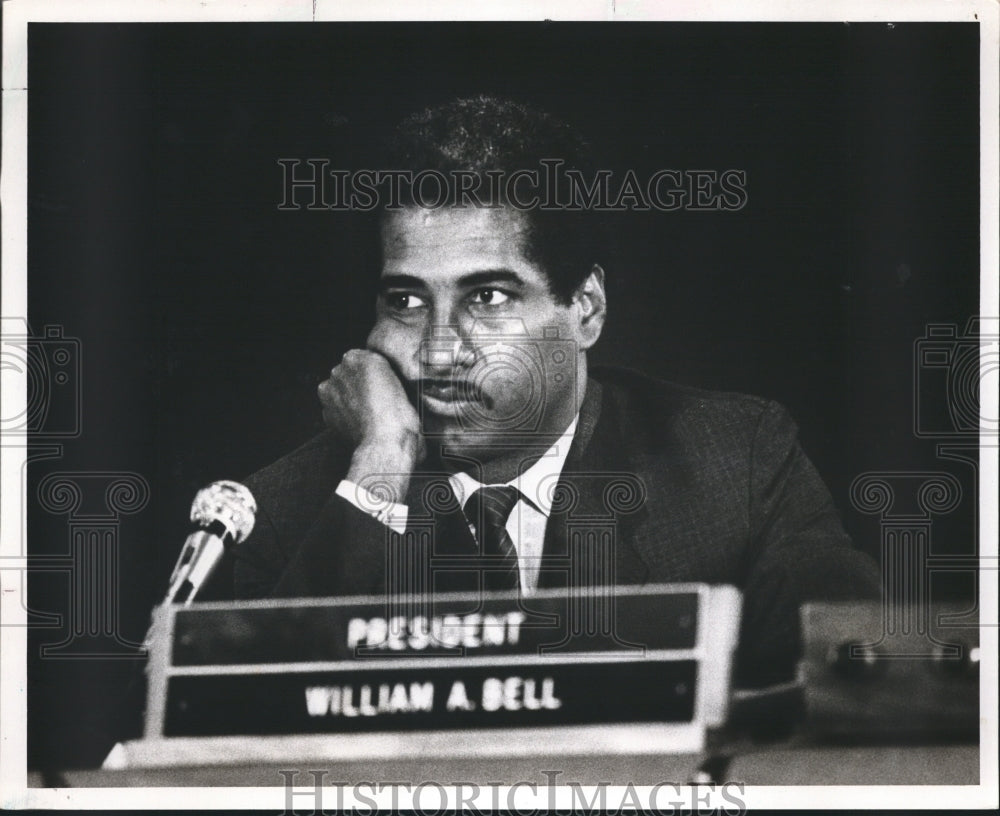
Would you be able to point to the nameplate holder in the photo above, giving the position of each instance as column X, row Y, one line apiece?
column 597, row 671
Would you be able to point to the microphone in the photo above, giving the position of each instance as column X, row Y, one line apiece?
column 225, row 511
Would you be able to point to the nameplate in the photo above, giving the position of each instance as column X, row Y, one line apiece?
column 631, row 655
column 439, row 698
column 443, row 626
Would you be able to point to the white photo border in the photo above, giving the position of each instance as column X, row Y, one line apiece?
column 17, row 14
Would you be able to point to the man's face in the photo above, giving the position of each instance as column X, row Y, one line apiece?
column 485, row 350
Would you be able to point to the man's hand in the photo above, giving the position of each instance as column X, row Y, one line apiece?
column 365, row 403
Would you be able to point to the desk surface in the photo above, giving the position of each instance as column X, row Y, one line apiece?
column 778, row 765
column 559, row 770
column 858, row 765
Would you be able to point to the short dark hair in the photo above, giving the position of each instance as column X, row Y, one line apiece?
column 485, row 134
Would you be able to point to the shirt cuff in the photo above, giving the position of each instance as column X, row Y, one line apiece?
column 392, row 514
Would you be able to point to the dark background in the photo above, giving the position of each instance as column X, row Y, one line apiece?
column 206, row 317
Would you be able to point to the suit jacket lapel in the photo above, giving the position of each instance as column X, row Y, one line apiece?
column 434, row 507
column 599, row 498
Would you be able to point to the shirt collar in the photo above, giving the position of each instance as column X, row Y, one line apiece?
column 532, row 483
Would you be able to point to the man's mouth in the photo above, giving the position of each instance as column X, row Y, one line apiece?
column 446, row 396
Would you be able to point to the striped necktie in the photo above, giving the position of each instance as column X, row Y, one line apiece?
column 488, row 509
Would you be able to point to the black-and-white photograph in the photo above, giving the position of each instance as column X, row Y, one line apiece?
column 425, row 412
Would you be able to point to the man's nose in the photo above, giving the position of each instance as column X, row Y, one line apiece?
column 445, row 349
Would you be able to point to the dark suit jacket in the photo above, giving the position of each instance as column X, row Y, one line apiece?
column 721, row 493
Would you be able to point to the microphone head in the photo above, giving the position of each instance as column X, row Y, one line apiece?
column 229, row 503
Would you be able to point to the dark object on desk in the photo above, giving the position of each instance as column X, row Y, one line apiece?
column 873, row 672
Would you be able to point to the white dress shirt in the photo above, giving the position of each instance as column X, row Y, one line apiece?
column 527, row 521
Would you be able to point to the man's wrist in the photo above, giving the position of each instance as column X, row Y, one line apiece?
column 385, row 463
column 392, row 514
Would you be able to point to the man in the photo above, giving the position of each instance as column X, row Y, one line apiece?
column 472, row 413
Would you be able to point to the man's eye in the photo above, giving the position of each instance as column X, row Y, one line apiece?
column 403, row 301
column 490, row 297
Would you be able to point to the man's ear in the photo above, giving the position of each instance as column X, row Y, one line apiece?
column 591, row 307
